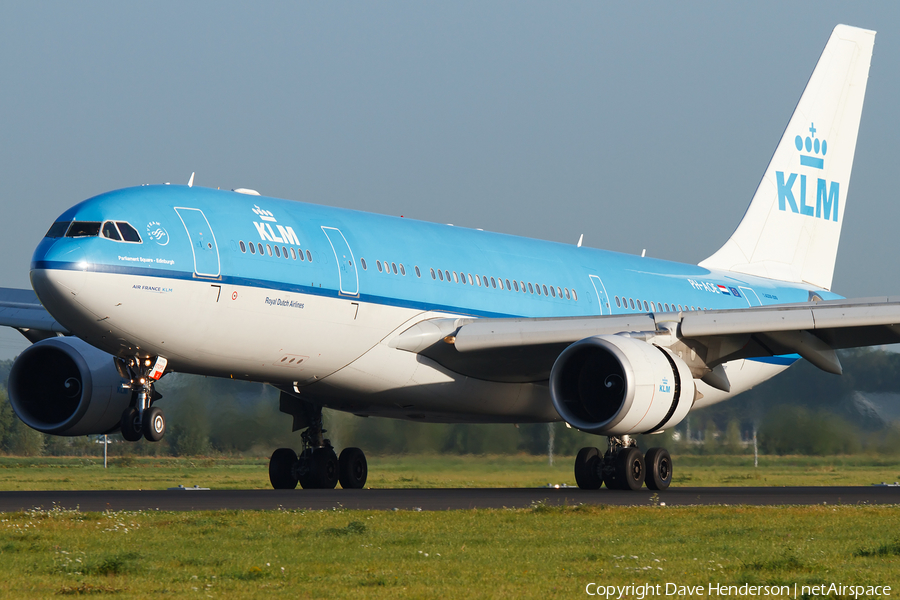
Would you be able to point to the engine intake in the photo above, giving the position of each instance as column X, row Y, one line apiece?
column 65, row 386
column 615, row 385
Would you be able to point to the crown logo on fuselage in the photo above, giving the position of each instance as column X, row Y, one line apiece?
column 283, row 235
column 812, row 144
column 265, row 215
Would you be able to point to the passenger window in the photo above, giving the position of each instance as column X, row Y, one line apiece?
column 447, row 273
column 470, row 280
column 666, row 305
column 252, row 249
column 574, row 296
column 522, row 286
column 485, row 279
column 500, row 281
column 277, row 252
column 402, row 270
column 58, row 229
column 652, row 306
column 559, row 291
column 129, row 233
column 243, row 247
column 530, row 288
column 567, row 294
column 493, row 283
column 308, row 256
column 432, row 274
column 394, row 268
column 516, row 285
column 538, row 288
column 284, row 251
column 617, row 303
column 478, row 279
column 269, row 249
column 545, row 289
column 455, row 277
column 631, row 300
column 418, row 274
column 110, row 231
column 441, row 274
column 83, row 229
column 293, row 253
column 552, row 291
column 300, row 253
column 259, row 246
column 361, row 260
column 378, row 265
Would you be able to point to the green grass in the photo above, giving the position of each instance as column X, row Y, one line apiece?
column 539, row 552
column 431, row 471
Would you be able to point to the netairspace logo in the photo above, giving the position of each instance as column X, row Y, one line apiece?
column 717, row 590
column 827, row 194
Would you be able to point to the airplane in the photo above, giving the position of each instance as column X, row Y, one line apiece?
column 393, row 317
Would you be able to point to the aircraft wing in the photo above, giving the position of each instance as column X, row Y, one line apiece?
column 524, row 350
column 22, row 310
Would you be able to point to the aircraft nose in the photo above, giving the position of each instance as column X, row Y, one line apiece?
column 58, row 270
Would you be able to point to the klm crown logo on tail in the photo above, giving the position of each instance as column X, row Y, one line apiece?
column 827, row 194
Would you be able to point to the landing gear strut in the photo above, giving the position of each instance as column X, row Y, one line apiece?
column 317, row 467
column 142, row 419
column 623, row 467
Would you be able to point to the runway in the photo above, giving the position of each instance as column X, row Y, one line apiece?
column 436, row 499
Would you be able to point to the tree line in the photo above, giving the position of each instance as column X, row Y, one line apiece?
column 803, row 411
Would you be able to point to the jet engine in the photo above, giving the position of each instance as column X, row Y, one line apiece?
column 616, row 385
column 65, row 386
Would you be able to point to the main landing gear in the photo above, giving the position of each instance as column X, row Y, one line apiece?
column 317, row 467
column 142, row 419
column 623, row 467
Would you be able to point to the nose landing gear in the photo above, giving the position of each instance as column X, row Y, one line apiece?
column 623, row 467
column 142, row 419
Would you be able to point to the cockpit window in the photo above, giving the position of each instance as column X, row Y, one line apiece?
column 129, row 233
column 58, row 229
column 83, row 229
column 110, row 231
column 120, row 231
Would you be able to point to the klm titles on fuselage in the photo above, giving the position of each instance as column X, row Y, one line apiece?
column 285, row 235
column 827, row 193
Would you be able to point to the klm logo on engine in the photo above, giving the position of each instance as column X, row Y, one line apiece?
column 285, row 235
column 827, row 193
column 664, row 387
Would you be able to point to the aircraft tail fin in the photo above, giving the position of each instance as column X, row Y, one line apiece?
column 792, row 227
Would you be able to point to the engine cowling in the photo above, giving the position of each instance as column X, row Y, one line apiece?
column 615, row 385
column 65, row 386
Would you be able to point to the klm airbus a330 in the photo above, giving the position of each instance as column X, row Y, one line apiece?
column 391, row 317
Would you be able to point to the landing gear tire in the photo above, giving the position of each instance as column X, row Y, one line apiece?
column 630, row 469
column 153, row 423
column 131, row 425
column 281, row 469
column 587, row 469
column 353, row 469
column 321, row 472
column 659, row 468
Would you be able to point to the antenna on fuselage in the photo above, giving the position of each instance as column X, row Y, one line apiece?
column 191, row 180
column 580, row 239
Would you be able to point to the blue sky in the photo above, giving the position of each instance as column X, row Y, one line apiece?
column 640, row 126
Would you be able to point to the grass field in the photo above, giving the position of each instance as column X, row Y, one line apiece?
column 525, row 553
column 430, row 471
column 537, row 552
